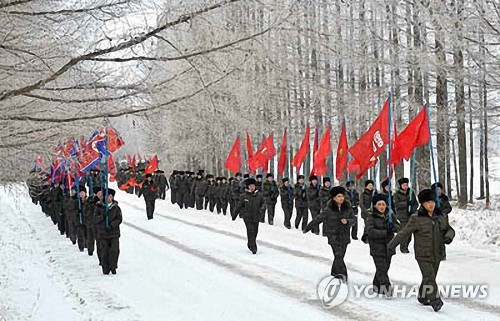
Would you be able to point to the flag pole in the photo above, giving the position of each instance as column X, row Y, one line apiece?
column 431, row 147
column 389, row 172
column 106, row 122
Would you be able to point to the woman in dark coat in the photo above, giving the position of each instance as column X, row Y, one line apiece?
column 337, row 219
column 379, row 231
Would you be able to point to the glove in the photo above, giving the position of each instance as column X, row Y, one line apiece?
column 391, row 252
column 447, row 240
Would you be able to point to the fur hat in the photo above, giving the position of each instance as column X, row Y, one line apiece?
column 96, row 189
column 148, row 175
column 368, row 182
column 403, row 180
column 111, row 192
column 285, row 179
column 246, row 176
column 385, row 183
column 438, row 184
column 350, row 183
column 258, row 176
column 250, row 181
column 426, row 195
column 379, row 197
column 210, row 176
column 300, row 177
column 269, row 175
column 312, row 178
column 337, row 190
column 326, row 179
column 237, row 174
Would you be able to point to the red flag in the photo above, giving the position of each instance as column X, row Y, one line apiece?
column 416, row 134
column 321, row 155
column 249, row 146
column 111, row 168
column 152, row 165
column 115, row 141
column 353, row 166
column 263, row 154
column 316, row 140
column 342, row 149
column 132, row 164
column 372, row 143
column 282, row 157
column 301, row 154
column 233, row 160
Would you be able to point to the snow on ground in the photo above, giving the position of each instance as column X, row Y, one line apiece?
column 191, row 265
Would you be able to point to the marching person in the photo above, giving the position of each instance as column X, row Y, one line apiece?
column 366, row 198
column 108, row 222
column 199, row 189
column 221, row 195
column 443, row 200
column 432, row 232
column 354, row 200
column 337, row 219
column 287, row 196
column 81, row 233
column 250, row 208
column 406, row 205
column 301, row 205
column 162, row 184
column 324, row 192
column 270, row 193
column 149, row 191
column 313, row 200
column 235, row 185
column 378, row 233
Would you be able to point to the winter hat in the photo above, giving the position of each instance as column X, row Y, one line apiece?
column 312, row 178
column 300, row 177
column 96, row 189
column 368, row 182
column 379, row 197
column 286, row 179
column 246, row 176
column 210, row 176
column 326, row 179
column 403, row 180
column 350, row 183
column 258, row 176
column 385, row 183
column 269, row 175
column 182, row 173
column 238, row 174
column 148, row 175
column 111, row 191
column 218, row 179
column 337, row 190
column 223, row 178
column 82, row 188
column 438, row 184
column 231, row 179
column 250, row 181
column 426, row 195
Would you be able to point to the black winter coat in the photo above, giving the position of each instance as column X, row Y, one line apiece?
column 270, row 191
column 405, row 203
column 300, row 196
column 366, row 202
column 324, row 196
column 114, row 218
column 250, row 207
column 149, row 190
column 331, row 215
column 378, row 232
column 287, row 195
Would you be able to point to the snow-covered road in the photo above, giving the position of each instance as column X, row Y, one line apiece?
column 190, row 265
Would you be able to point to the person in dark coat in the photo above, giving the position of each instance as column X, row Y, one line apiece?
column 287, row 196
column 443, row 202
column 89, row 219
column 431, row 231
column 366, row 199
column 209, row 190
column 301, row 205
column 313, row 200
column 199, row 189
column 406, row 205
column 378, row 233
column 81, row 233
column 324, row 192
column 270, row 192
column 353, row 196
column 162, row 183
column 56, row 195
column 385, row 191
column 337, row 219
column 108, row 232
column 150, row 192
column 182, row 190
column 211, row 194
column 221, row 194
column 72, row 215
column 235, row 185
column 250, row 208
column 243, row 185
column 259, row 183
column 173, row 187
column 190, row 195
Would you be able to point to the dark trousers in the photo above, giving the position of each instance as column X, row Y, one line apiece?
column 110, row 249
column 80, row 236
column 207, row 200
column 252, row 230
column 222, row 206
column 405, row 241
column 302, row 215
column 212, row 202
column 90, row 237
column 162, row 192
column 232, row 206
column 338, row 266
column 288, row 210
column 314, row 213
column 181, row 200
column 428, row 290
column 354, row 231
column 61, row 224
column 173, row 196
column 270, row 208
column 72, row 231
column 199, row 202
column 150, row 208
column 381, row 283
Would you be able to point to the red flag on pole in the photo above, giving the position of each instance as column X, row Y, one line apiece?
column 282, row 157
column 301, row 154
column 416, row 134
column 321, row 155
column 115, row 141
column 249, row 146
column 152, row 165
column 372, row 143
column 263, row 154
column 342, row 149
column 233, row 160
